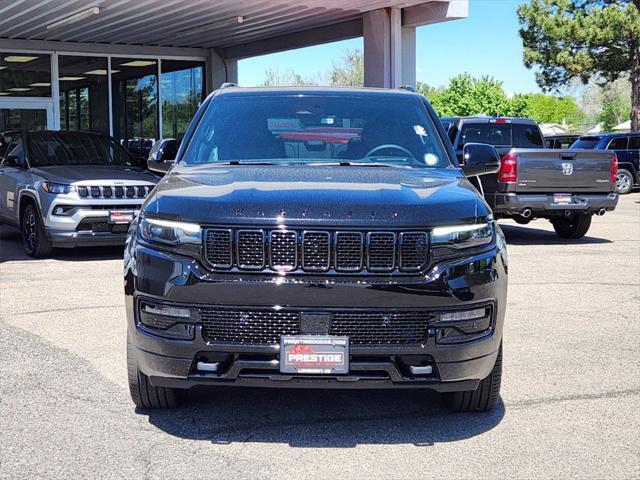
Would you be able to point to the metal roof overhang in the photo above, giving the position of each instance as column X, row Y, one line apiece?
column 236, row 28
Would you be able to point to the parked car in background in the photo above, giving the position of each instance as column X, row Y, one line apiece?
column 317, row 238
column 626, row 147
column 560, row 141
column 67, row 189
column 564, row 186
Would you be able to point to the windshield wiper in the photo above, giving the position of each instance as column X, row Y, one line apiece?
column 239, row 162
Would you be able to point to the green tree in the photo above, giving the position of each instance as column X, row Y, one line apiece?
column 349, row 71
column 466, row 95
column 276, row 78
column 551, row 109
column 585, row 39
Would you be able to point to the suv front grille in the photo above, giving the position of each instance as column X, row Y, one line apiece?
column 264, row 327
column 280, row 250
column 107, row 191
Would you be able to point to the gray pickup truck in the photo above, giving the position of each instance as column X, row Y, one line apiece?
column 68, row 189
column 564, row 186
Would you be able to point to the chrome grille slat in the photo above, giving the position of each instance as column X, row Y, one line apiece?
column 381, row 251
column 316, row 251
column 283, row 250
column 343, row 251
column 250, row 249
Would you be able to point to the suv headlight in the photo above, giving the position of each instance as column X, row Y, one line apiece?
column 169, row 232
column 462, row 236
column 58, row 188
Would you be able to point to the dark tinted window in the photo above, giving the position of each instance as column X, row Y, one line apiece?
column 527, row 136
column 619, row 143
column 634, row 143
column 498, row 134
column 586, row 143
column 72, row 148
column 316, row 128
column 16, row 149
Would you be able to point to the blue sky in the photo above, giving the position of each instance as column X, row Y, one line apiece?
column 486, row 43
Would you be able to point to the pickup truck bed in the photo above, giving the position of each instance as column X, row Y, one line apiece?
column 564, row 186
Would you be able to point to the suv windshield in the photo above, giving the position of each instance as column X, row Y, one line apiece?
column 502, row 135
column 76, row 148
column 317, row 129
column 586, row 143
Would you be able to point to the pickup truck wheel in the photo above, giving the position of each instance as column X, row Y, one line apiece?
column 144, row 394
column 522, row 221
column 573, row 227
column 482, row 399
column 34, row 240
column 624, row 181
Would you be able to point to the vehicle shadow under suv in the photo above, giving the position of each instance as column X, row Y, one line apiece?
column 11, row 249
column 530, row 235
column 320, row 418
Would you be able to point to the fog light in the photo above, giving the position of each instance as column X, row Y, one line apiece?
column 59, row 211
column 464, row 315
column 167, row 311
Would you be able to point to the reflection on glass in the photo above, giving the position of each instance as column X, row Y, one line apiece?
column 135, row 103
column 84, row 93
column 27, row 119
column 181, row 91
column 25, row 75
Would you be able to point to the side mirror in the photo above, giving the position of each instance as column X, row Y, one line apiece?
column 163, row 155
column 480, row 159
column 160, row 167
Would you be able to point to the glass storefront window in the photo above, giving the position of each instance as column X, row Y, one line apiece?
column 181, row 92
column 134, row 84
column 25, row 75
column 84, row 93
column 20, row 118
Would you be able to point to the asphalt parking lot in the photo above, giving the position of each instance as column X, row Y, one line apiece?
column 569, row 408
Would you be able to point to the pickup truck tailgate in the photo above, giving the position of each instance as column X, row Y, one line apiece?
column 563, row 171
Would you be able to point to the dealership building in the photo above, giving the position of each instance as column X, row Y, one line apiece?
column 138, row 69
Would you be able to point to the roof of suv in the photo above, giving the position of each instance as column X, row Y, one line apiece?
column 609, row 135
column 487, row 119
column 347, row 91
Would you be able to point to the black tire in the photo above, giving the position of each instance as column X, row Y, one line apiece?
column 573, row 227
column 144, row 394
column 34, row 240
column 624, row 181
column 522, row 220
column 484, row 398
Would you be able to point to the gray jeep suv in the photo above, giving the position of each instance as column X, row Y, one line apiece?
column 67, row 189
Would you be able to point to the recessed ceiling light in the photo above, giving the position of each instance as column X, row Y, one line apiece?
column 4, row 93
column 70, row 79
column 2, row 68
column 40, row 84
column 18, row 59
column 99, row 71
column 19, row 89
column 74, row 18
column 138, row 63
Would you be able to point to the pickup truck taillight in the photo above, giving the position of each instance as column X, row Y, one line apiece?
column 614, row 168
column 508, row 169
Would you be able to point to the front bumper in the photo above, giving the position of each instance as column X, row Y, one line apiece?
column 460, row 284
column 543, row 204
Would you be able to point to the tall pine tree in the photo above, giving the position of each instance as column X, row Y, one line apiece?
column 583, row 39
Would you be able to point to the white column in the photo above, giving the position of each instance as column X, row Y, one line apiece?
column 220, row 70
column 389, row 49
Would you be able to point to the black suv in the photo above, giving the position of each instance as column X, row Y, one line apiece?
column 317, row 238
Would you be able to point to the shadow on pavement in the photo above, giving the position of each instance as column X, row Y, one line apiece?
column 11, row 250
column 526, row 235
column 320, row 418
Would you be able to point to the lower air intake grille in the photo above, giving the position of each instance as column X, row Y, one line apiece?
column 264, row 327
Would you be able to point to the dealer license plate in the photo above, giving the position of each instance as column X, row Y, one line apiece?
column 314, row 354
column 121, row 216
column 562, row 198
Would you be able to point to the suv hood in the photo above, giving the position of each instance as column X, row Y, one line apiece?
column 78, row 173
column 321, row 196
